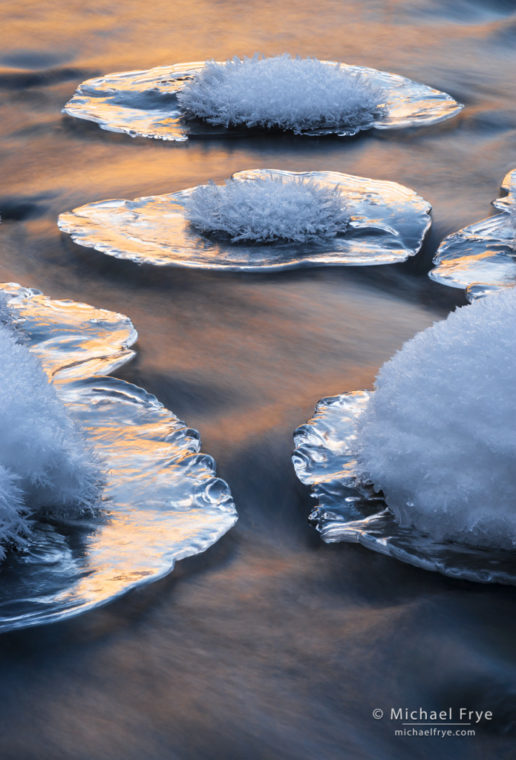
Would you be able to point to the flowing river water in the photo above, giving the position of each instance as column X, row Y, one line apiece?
column 272, row 644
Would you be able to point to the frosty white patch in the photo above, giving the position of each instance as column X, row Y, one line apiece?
column 269, row 209
column 304, row 96
column 45, row 460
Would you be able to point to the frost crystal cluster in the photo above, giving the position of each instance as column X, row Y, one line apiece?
column 268, row 210
column 439, row 435
column 45, row 462
column 291, row 94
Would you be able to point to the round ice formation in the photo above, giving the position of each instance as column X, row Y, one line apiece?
column 161, row 499
column 480, row 257
column 268, row 209
column 45, row 462
column 438, row 436
column 292, row 94
column 146, row 103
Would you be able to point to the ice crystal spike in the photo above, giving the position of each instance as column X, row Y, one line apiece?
column 162, row 500
column 147, row 103
column 481, row 258
column 387, row 224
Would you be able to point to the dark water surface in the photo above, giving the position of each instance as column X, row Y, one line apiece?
column 271, row 645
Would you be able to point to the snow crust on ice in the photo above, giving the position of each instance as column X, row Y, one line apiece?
column 270, row 209
column 439, row 434
column 45, row 461
column 292, row 94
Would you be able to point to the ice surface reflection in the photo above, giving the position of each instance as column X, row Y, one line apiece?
column 387, row 225
column 162, row 500
column 482, row 257
column 145, row 103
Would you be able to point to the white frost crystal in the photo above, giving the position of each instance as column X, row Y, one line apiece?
column 269, row 209
column 292, row 94
column 439, row 434
column 45, row 462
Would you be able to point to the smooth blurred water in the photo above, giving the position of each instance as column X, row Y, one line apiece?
column 271, row 645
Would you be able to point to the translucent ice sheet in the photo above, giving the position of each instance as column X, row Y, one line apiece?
column 387, row 225
column 482, row 257
column 144, row 103
column 162, row 500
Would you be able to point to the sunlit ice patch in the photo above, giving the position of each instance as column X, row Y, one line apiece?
column 481, row 258
column 352, row 221
column 159, row 103
column 161, row 498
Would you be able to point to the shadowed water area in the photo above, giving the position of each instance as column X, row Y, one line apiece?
column 271, row 644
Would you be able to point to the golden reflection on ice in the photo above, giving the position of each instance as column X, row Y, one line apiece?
column 482, row 257
column 143, row 103
column 161, row 499
column 388, row 222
